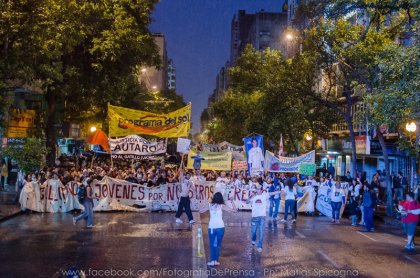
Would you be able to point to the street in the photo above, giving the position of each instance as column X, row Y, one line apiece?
column 151, row 245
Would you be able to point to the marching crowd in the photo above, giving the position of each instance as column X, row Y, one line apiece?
column 361, row 199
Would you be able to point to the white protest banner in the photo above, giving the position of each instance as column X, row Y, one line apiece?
column 323, row 202
column 183, row 145
column 136, row 147
column 286, row 164
column 119, row 195
column 238, row 152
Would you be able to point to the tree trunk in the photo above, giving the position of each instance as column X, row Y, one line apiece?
column 381, row 139
column 349, row 121
column 49, row 127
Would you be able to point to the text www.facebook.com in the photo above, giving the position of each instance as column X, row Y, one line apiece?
column 226, row 272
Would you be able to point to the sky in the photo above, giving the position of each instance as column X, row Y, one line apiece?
column 197, row 34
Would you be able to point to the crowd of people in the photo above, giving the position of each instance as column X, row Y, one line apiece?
column 360, row 196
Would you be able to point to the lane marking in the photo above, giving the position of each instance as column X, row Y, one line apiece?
column 300, row 234
column 199, row 263
column 328, row 259
column 411, row 259
column 366, row 236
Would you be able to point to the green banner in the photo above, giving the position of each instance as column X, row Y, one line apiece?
column 307, row 169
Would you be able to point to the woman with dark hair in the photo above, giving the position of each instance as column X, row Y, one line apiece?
column 216, row 228
column 290, row 194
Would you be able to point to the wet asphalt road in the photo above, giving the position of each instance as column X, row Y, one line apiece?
column 44, row 245
column 315, row 247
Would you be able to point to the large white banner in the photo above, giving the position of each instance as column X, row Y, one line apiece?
column 113, row 194
column 136, row 147
column 323, row 202
column 286, row 164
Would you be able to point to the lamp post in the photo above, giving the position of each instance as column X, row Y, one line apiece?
column 412, row 128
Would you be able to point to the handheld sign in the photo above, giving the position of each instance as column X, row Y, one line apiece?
column 307, row 169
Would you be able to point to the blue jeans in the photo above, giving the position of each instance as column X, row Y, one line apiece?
column 368, row 218
column 88, row 214
column 274, row 207
column 354, row 220
column 215, row 242
column 258, row 223
column 336, row 206
column 289, row 206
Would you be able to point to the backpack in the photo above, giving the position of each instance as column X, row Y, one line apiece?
column 81, row 193
column 367, row 199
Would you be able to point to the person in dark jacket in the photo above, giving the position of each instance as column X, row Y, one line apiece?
column 370, row 201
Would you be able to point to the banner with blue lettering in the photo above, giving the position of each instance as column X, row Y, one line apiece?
column 286, row 164
column 254, row 148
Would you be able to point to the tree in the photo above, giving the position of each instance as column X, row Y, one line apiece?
column 264, row 96
column 78, row 51
column 30, row 156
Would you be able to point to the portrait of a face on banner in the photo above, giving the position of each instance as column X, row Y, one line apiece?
column 254, row 154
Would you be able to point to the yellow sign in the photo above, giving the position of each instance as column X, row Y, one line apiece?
column 17, row 132
column 125, row 121
column 20, row 122
column 22, row 119
column 219, row 161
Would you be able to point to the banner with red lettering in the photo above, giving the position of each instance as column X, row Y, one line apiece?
column 119, row 195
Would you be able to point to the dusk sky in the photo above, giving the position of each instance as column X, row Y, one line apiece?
column 197, row 35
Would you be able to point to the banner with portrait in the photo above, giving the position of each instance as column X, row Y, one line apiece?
column 254, row 148
column 135, row 147
column 125, row 121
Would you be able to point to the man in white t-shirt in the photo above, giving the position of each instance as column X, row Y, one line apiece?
column 259, row 202
column 184, row 201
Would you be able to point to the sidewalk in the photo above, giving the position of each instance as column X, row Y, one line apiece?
column 8, row 206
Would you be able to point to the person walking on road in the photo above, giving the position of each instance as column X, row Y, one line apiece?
column 259, row 210
column 370, row 201
column 216, row 229
column 409, row 219
column 290, row 200
column 85, row 195
column 274, row 199
column 338, row 198
column 184, row 202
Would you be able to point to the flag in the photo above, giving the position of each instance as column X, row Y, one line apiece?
column 99, row 138
column 281, row 149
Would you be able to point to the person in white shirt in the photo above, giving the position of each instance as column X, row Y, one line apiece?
column 337, row 199
column 184, row 201
column 216, row 228
column 259, row 201
column 311, row 182
column 290, row 194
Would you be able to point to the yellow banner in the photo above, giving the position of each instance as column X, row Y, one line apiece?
column 219, row 161
column 125, row 121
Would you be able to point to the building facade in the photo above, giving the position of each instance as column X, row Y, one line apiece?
column 153, row 78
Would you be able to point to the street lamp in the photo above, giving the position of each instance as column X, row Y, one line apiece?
column 143, row 70
column 308, row 137
column 411, row 127
column 289, row 36
column 154, row 87
column 93, row 129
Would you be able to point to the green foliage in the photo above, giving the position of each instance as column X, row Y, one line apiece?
column 265, row 96
column 30, row 157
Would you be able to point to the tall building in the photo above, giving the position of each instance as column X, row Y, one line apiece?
column 221, row 81
column 153, row 78
column 261, row 30
column 171, row 75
